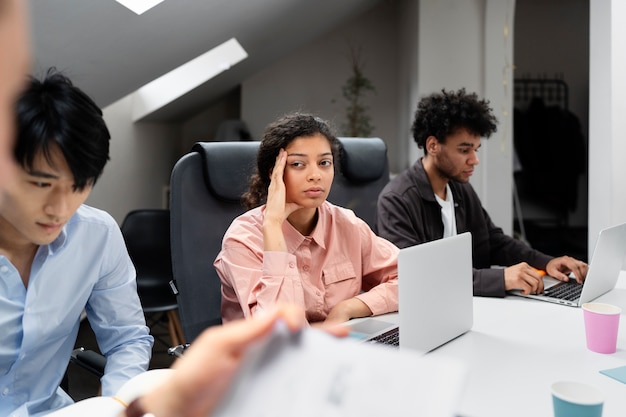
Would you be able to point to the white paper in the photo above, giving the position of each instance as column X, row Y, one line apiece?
column 311, row 373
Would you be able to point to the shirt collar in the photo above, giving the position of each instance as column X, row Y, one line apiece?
column 294, row 239
column 320, row 227
column 59, row 242
column 422, row 182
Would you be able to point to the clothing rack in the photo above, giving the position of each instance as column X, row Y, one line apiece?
column 553, row 92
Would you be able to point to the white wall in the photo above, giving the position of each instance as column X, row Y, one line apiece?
column 310, row 79
column 203, row 126
column 607, row 121
column 463, row 43
column 446, row 45
column 497, row 178
column 452, row 38
column 142, row 157
column 408, row 92
column 143, row 154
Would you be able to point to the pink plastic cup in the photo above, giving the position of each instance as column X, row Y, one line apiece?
column 601, row 325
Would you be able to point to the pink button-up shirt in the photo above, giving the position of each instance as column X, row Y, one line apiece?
column 341, row 259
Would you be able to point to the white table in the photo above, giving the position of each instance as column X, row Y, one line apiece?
column 518, row 347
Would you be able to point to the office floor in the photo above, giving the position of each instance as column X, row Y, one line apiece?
column 83, row 384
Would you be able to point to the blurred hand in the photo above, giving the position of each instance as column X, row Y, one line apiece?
column 204, row 373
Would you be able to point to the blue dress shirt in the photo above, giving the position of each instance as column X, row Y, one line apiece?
column 86, row 268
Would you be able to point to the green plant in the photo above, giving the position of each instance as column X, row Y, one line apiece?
column 358, row 121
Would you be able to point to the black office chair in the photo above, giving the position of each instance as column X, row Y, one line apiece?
column 147, row 236
column 89, row 360
column 364, row 172
column 205, row 192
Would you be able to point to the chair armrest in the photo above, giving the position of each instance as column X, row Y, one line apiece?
column 88, row 359
column 178, row 350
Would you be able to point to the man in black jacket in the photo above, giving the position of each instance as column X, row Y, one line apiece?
column 433, row 199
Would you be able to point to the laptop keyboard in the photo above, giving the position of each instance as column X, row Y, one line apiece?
column 390, row 337
column 569, row 291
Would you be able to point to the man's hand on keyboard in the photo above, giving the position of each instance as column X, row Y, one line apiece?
column 561, row 267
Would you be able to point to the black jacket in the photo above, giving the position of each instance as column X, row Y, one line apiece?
column 408, row 214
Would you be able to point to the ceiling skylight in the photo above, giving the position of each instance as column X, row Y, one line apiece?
column 174, row 84
column 139, row 6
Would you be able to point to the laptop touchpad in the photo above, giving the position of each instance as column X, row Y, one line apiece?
column 365, row 328
column 549, row 282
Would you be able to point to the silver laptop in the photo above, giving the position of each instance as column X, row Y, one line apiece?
column 435, row 296
column 604, row 269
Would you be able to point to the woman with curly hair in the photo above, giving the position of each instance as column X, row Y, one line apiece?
column 293, row 245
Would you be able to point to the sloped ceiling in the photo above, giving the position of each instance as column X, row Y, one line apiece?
column 110, row 51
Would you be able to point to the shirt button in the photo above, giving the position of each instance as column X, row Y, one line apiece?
column 318, row 292
column 291, row 265
column 5, row 391
column 305, row 267
column 4, row 269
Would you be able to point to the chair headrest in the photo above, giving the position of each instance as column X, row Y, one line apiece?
column 227, row 167
column 363, row 159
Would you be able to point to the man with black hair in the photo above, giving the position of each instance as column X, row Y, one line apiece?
column 59, row 256
column 433, row 199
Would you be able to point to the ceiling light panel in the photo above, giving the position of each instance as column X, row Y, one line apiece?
column 139, row 6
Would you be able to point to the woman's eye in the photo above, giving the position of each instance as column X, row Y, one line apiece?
column 297, row 164
column 326, row 162
column 40, row 184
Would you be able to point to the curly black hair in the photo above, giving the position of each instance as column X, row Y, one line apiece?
column 442, row 114
column 278, row 135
